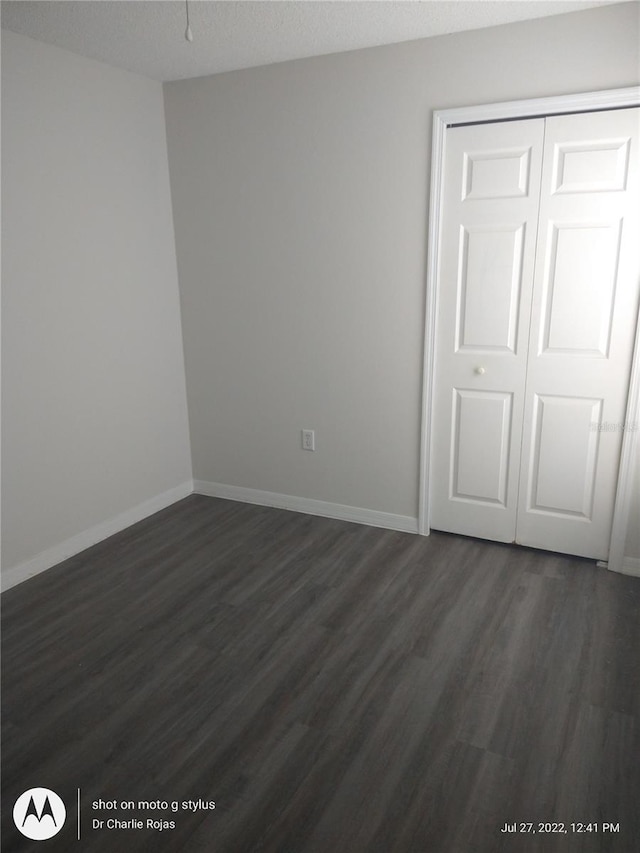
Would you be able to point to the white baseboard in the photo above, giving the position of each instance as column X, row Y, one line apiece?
column 631, row 566
column 359, row 515
column 52, row 556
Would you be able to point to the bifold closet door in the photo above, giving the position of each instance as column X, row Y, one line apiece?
column 537, row 308
column 488, row 233
column 583, row 326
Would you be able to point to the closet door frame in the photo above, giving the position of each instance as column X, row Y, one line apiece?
column 538, row 107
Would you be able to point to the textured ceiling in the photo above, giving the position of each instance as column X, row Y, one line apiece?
column 148, row 37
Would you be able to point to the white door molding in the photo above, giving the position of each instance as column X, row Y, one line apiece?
column 629, row 458
column 442, row 119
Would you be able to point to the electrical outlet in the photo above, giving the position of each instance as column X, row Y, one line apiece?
column 308, row 439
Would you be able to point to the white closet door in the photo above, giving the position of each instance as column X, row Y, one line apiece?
column 583, row 326
column 490, row 212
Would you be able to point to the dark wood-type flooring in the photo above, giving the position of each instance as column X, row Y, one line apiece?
column 334, row 688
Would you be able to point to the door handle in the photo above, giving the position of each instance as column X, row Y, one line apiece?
column 480, row 371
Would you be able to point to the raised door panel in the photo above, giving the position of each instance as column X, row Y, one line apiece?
column 480, row 442
column 588, row 167
column 564, row 452
column 490, row 262
column 581, row 270
column 496, row 173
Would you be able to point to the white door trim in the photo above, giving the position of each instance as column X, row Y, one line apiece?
column 442, row 119
column 629, row 457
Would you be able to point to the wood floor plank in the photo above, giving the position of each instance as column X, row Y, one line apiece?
column 334, row 688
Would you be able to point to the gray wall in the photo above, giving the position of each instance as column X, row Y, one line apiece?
column 300, row 197
column 94, row 403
